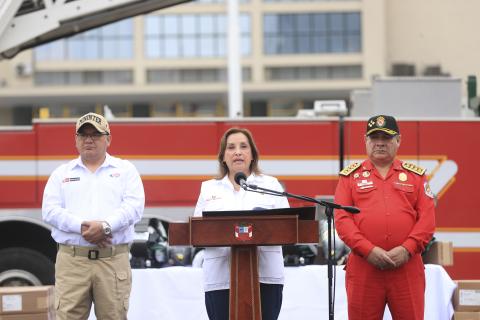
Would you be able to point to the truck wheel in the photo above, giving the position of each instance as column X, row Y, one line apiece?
column 25, row 267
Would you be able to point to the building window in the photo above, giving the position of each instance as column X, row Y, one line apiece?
column 192, row 35
column 113, row 41
column 185, row 75
column 280, row 108
column 307, row 33
column 209, row 108
column 62, row 78
column 313, row 73
column 192, row 75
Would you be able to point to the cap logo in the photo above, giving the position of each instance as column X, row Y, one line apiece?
column 386, row 124
column 90, row 117
column 380, row 122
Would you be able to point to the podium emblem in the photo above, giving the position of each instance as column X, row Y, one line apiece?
column 243, row 232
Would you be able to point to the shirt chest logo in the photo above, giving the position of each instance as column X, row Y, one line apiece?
column 214, row 197
column 114, row 175
column 65, row 180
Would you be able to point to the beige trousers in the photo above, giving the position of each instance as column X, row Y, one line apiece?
column 79, row 281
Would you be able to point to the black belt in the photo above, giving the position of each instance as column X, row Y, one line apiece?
column 93, row 253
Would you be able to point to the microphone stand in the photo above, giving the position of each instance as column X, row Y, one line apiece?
column 329, row 206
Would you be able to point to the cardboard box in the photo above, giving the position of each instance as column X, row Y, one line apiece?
column 28, row 316
column 440, row 253
column 462, row 315
column 467, row 296
column 30, row 300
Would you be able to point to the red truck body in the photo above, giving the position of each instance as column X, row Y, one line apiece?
column 174, row 156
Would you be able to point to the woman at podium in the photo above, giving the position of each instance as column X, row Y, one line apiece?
column 238, row 154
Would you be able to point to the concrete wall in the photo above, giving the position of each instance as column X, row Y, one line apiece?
column 435, row 32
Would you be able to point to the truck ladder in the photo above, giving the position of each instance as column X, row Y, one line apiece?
column 28, row 23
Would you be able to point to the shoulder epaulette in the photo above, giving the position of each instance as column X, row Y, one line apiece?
column 413, row 168
column 352, row 167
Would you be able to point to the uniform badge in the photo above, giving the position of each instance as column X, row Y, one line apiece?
column 413, row 168
column 402, row 176
column 428, row 191
column 352, row 167
column 366, row 174
column 380, row 121
column 356, row 175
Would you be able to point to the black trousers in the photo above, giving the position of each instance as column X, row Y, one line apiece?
column 217, row 302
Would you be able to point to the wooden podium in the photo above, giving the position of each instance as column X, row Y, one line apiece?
column 243, row 231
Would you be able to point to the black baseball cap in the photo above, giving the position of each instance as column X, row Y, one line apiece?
column 383, row 123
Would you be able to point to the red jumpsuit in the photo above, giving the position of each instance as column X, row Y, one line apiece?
column 397, row 210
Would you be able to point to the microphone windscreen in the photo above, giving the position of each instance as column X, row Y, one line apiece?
column 351, row 209
column 240, row 176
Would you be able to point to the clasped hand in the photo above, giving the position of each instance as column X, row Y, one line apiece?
column 92, row 231
column 391, row 259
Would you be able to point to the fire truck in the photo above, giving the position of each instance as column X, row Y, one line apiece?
column 173, row 156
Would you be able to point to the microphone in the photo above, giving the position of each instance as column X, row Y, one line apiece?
column 241, row 179
column 353, row 210
column 349, row 209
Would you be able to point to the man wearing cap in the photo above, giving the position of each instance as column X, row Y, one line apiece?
column 92, row 204
column 387, row 237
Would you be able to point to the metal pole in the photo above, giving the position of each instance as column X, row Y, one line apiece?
column 235, row 101
column 329, row 214
column 341, row 151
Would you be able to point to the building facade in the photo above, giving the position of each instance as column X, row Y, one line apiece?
column 173, row 62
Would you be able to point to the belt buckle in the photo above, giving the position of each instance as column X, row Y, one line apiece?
column 93, row 254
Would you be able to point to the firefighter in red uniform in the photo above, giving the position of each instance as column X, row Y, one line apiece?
column 396, row 221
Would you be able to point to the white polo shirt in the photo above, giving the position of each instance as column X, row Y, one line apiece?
column 113, row 193
column 217, row 195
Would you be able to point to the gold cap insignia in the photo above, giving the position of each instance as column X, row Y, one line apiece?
column 380, row 121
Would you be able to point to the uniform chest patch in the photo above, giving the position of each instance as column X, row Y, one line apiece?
column 364, row 184
column 407, row 187
column 71, row 179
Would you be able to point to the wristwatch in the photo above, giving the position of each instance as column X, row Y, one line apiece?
column 107, row 230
